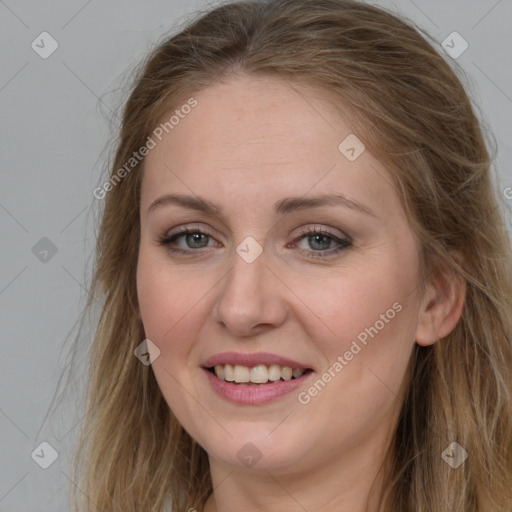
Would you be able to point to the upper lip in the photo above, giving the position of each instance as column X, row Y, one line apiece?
column 252, row 360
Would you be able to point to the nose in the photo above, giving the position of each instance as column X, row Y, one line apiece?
column 251, row 299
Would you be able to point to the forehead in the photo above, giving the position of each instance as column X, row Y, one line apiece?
column 264, row 137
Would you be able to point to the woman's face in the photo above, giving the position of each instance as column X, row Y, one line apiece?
column 302, row 252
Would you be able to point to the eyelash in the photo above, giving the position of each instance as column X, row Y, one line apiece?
column 305, row 233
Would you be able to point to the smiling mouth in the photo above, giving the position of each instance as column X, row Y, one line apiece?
column 258, row 375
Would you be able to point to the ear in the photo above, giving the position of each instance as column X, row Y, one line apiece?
column 441, row 306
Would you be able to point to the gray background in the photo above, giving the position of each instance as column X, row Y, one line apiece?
column 57, row 120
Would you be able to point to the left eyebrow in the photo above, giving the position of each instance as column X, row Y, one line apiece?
column 281, row 207
column 290, row 204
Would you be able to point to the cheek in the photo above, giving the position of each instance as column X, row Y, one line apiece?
column 170, row 303
column 366, row 358
column 166, row 296
column 346, row 306
column 175, row 301
column 366, row 316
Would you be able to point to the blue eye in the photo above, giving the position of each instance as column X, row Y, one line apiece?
column 194, row 239
column 320, row 243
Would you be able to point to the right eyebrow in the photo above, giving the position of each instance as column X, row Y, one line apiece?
column 191, row 202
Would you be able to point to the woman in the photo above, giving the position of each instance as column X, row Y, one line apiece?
column 306, row 277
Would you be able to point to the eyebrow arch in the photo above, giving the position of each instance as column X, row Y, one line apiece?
column 290, row 204
column 281, row 207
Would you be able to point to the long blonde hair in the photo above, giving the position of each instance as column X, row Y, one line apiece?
column 413, row 113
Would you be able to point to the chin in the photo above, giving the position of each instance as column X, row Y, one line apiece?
column 254, row 450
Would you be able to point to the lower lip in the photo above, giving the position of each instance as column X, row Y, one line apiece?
column 254, row 394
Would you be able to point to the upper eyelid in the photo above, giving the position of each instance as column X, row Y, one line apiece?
column 323, row 231
column 185, row 229
column 304, row 231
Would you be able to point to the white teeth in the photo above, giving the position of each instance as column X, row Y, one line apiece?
column 260, row 374
column 286, row 373
column 242, row 373
column 274, row 372
column 219, row 371
column 229, row 373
